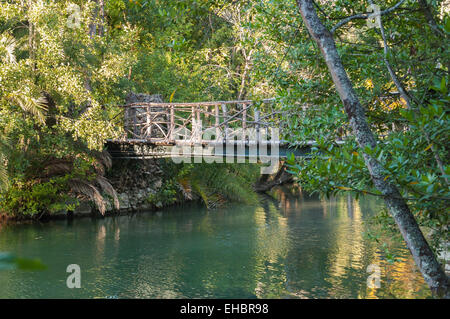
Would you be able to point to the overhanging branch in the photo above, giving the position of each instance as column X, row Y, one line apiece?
column 364, row 16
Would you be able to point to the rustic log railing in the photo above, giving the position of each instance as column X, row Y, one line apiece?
column 199, row 122
column 241, row 130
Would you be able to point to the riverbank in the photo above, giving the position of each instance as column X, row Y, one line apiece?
column 153, row 184
column 134, row 182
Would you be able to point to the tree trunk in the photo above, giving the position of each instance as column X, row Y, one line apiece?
column 31, row 37
column 92, row 24
column 399, row 210
column 101, row 26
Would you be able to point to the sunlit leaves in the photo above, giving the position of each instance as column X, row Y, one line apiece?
column 93, row 127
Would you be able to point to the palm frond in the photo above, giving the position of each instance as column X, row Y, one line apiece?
column 35, row 106
column 57, row 167
column 7, row 47
column 103, row 161
column 82, row 187
column 106, row 158
column 185, row 187
column 85, row 185
column 108, row 189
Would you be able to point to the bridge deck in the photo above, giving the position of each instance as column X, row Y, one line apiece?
column 139, row 149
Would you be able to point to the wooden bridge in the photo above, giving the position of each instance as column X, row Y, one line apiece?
column 218, row 129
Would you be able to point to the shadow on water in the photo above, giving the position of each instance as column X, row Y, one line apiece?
column 290, row 245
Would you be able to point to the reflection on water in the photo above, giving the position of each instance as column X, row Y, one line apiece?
column 290, row 246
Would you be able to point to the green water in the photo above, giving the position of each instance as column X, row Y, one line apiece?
column 292, row 247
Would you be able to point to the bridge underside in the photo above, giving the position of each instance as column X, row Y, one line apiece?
column 141, row 149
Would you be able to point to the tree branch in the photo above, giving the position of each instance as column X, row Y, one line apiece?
column 430, row 268
column 405, row 95
column 364, row 16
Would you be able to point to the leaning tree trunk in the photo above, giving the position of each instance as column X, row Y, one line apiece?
column 399, row 210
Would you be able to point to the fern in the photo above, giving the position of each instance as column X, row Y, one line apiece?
column 217, row 183
column 201, row 191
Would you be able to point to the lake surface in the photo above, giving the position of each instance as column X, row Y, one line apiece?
column 289, row 246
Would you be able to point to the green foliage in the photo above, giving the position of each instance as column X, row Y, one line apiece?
column 47, row 111
column 217, row 183
column 9, row 261
column 31, row 199
column 165, row 196
column 60, row 82
column 413, row 144
column 59, row 87
column 4, row 148
column 213, row 184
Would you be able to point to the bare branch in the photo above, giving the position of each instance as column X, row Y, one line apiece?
column 364, row 16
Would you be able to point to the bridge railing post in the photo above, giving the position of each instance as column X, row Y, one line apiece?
column 199, row 126
column 148, row 132
column 225, row 118
column 126, row 121
column 257, row 126
column 134, row 115
column 172, row 123
column 244, row 116
column 216, row 107
column 193, row 123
